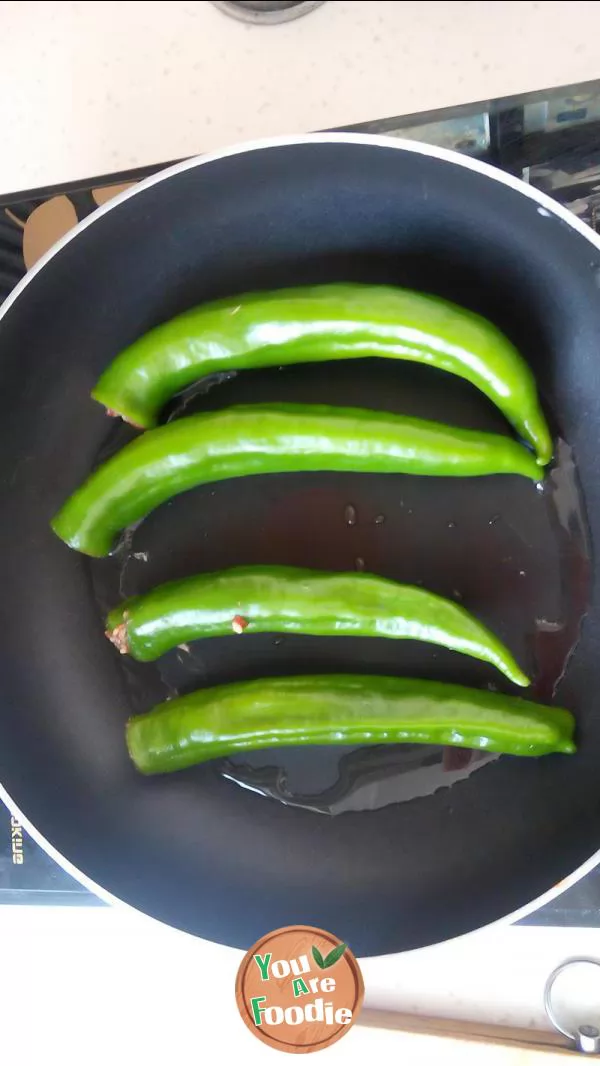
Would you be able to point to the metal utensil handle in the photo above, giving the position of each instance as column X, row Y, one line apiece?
column 586, row 1037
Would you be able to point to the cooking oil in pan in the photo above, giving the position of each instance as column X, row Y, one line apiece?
column 516, row 557
column 333, row 781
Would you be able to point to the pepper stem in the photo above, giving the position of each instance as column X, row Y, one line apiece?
column 118, row 637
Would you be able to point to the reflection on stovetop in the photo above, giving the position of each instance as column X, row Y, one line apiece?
column 28, row 875
column 577, row 906
column 551, row 140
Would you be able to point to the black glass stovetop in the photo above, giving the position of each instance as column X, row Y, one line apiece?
column 549, row 139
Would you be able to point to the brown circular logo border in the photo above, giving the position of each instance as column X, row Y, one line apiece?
column 246, row 970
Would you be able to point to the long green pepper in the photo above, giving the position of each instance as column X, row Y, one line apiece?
column 340, row 709
column 270, row 439
column 327, row 322
column 318, row 323
column 287, row 599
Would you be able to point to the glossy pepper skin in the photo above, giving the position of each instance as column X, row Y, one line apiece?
column 268, row 439
column 286, row 599
column 340, row 709
column 323, row 322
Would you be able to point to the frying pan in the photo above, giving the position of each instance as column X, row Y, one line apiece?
column 197, row 850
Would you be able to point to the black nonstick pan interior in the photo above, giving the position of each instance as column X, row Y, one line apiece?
column 390, row 848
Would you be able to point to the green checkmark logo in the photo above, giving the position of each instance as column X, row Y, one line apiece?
column 330, row 959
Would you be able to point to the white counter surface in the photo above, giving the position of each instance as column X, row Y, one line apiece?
column 97, row 87
column 87, row 987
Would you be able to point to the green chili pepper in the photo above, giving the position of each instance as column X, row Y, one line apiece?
column 269, row 439
column 342, row 321
column 286, row 599
column 340, row 709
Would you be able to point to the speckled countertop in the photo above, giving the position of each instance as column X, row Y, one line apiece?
column 97, row 87
column 108, row 985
